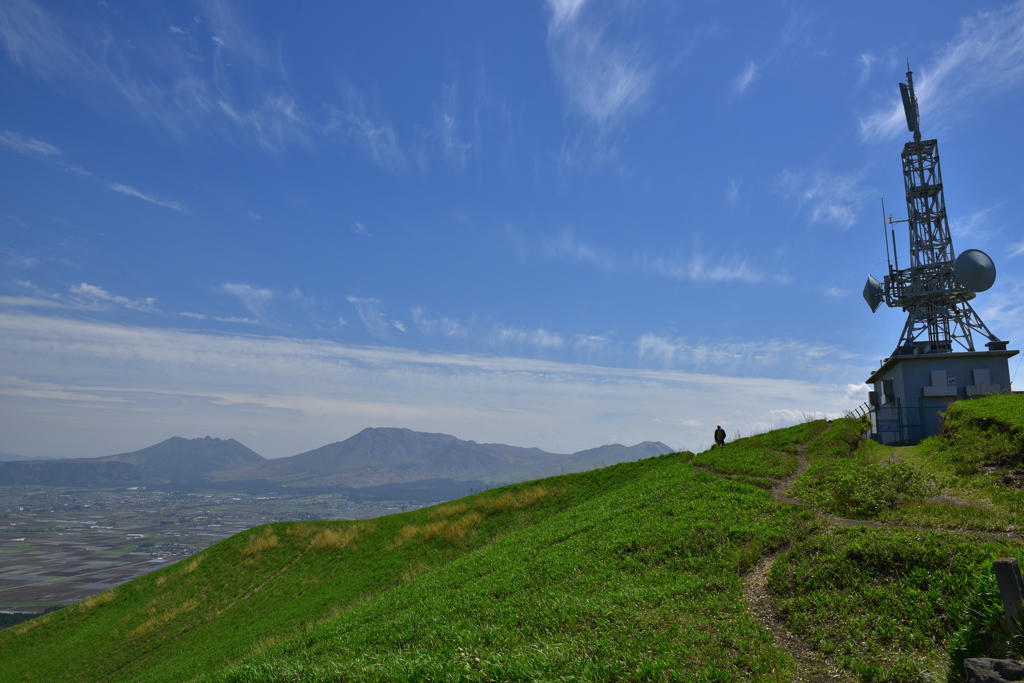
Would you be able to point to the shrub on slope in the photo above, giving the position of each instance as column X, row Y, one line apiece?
column 850, row 477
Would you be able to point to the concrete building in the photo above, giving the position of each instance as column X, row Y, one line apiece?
column 908, row 392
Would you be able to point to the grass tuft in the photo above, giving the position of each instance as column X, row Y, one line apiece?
column 335, row 538
column 259, row 543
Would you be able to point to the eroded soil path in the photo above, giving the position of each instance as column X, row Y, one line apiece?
column 811, row 665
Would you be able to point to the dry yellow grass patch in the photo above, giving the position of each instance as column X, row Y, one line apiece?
column 430, row 531
column 456, row 531
column 405, row 534
column 448, row 510
column 459, row 529
column 452, row 531
column 160, row 619
column 187, row 569
column 96, row 601
column 301, row 529
column 339, row 538
column 518, row 499
column 257, row 544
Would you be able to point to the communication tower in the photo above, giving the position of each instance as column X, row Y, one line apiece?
column 936, row 352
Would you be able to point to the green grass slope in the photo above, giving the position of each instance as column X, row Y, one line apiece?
column 634, row 572
column 623, row 572
column 639, row 582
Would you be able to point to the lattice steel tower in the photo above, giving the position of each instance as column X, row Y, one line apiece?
column 936, row 288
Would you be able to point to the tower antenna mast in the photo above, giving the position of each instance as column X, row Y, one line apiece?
column 939, row 316
column 936, row 353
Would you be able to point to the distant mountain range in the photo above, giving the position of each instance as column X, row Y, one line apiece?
column 5, row 457
column 373, row 457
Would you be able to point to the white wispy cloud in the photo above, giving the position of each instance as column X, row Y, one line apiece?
column 255, row 299
column 446, row 114
column 232, row 319
column 419, row 318
column 1018, row 249
column 564, row 11
column 976, row 226
column 540, row 338
column 604, row 80
column 368, row 131
column 34, row 40
column 759, row 357
column 93, row 295
column 57, row 375
column 279, row 122
column 746, row 77
column 52, row 155
column 132, row 192
column 17, row 259
column 795, row 33
column 370, row 313
column 31, row 302
column 833, row 199
column 566, row 245
column 866, row 62
column 177, row 81
column 982, row 62
column 452, row 328
column 698, row 267
column 43, row 151
column 26, row 145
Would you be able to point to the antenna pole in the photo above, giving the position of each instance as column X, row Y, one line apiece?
column 894, row 254
column 913, row 102
column 886, row 237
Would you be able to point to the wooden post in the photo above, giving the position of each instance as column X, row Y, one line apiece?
column 1011, row 587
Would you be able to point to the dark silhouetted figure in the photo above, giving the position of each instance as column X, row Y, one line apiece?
column 719, row 436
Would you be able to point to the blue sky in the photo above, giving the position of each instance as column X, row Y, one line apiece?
column 555, row 224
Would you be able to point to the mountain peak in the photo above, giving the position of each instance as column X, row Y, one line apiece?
column 179, row 458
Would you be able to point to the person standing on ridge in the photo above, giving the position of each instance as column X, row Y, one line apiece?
column 719, row 436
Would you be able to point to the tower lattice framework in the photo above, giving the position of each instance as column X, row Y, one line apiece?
column 939, row 314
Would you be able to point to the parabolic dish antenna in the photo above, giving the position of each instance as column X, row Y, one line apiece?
column 873, row 293
column 974, row 270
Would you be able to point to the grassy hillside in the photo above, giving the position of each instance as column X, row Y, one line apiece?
column 632, row 572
